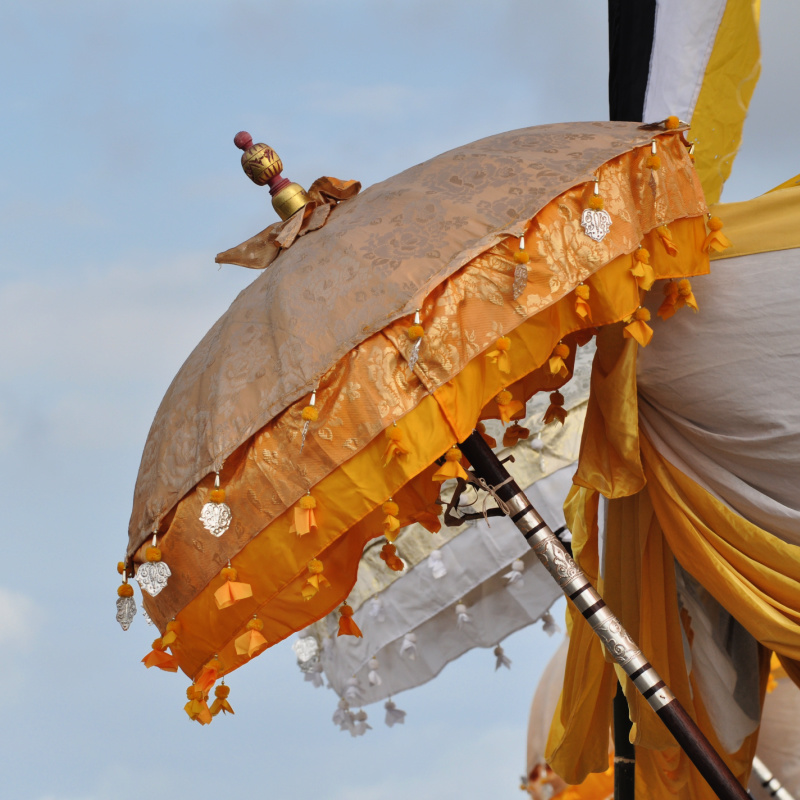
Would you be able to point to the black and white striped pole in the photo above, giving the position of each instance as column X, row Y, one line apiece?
column 494, row 477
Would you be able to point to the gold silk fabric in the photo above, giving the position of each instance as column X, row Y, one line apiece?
column 332, row 301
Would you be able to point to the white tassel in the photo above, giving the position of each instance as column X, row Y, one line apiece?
column 361, row 725
column 409, row 646
column 352, row 693
column 375, row 610
column 341, row 716
column 394, row 716
column 462, row 618
column 502, row 659
column 549, row 625
column 436, row 564
column 536, row 444
column 515, row 576
column 314, row 675
column 373, row 677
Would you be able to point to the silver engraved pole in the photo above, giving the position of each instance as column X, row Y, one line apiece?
column 569, row 576
column 771, row 785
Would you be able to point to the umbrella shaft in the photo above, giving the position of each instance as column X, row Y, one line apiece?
column 624, row 651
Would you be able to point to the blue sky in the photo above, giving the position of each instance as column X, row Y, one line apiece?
column 119, row 184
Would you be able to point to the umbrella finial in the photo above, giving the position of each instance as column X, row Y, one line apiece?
column 263, row 166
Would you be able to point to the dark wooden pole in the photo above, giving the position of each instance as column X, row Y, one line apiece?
column 490, row 473
column 624, row 751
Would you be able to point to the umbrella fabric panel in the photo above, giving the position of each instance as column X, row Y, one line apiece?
column 348, row 495
column 337, row 287
column 481, row 554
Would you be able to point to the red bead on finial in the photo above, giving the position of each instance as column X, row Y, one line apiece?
column 243, row 140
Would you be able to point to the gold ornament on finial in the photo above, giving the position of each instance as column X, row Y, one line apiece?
column 263, row 166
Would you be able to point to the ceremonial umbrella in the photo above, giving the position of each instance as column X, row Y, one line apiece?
column 386, row 325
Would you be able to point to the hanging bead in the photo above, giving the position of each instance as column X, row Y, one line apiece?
column 347, row 625
column 251, row 642
column 197, row 707
column 638, row 328
column 396, row 445
column 507, row 406
column 221, row 703
column 716, row 239
column 231, row 591
column 500, row 355
column 556, row 362
column 394, row 716
column 452, row 466
column 209, row 674
column 393, row 561
column 157, row 657
column 665, row 235
column 582, row 307
column 391, row 524
column 685, row 295
column 514, row 434
column 304, row 517
column 555, row 411
column 641, row 270
column 316, row 580
column 501, row 659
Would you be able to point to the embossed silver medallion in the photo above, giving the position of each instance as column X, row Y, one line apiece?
column 596, row 223
column 152, row 576
column 520, row 280
column 126, row 611
column 216, row 518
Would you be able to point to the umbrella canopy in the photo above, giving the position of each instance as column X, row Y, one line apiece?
column 331, row 313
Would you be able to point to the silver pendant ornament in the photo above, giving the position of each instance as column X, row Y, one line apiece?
column 126, row 605
column 310, row 414
column 216, row 516
column 520, row 271
column 152, row 575
column 414, row 355
column 596, row 221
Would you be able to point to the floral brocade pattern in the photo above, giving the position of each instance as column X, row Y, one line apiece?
column 332, row 310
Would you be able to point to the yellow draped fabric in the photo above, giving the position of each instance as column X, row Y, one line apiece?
column 657, row 515
column 728, row 84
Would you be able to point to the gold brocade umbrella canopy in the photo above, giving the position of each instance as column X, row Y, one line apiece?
column 383, row 328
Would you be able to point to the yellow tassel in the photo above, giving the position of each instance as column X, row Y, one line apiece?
column 514, row 434
column 415, row 332
column 221, row 703
column 490, row 440
column 555, row 411
column 507, row 406
column 716, row 240
column 393, row 561
column 452, row 466
column 669, row 306
column 197, row 707
column 153, row 553
column 596, row 202
column 582, row 308
column 665, row 234
column 557, row 365
column 672, row 123
column 120, row 567
column 653, row 162
column 638, row 328
column 216, row 496
column 396, row 446
column 231, row 590
column 158, row 658
column 685, row 295
column 641, row 270
column 391, row 525
column 316, row 580
column 209, row 673
column 125, row 590
column 304, row 517
column 251, row 642
column 499, row 355
column 171, row 636
column 347, row 625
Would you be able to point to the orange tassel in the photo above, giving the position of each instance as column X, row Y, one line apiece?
column 252, row 642
column 231, row 591
column 521, row 256
column 429, row 518
column 557, row 365
column 197, row 707
column 672, row 123
column 304, row 517
column 555, row 411
column 221, row 703
column 347, row 626
column 641, row 270
column 158, row 658
column 171, row 636
column 209, row 674
column 393, row 561
column 669, row 306
column 507, row 406
column 452, row 466
column 638, row 328
column 396, row 445
column 685, row 295
column 499, row 355
column 490, row 440
column 665, row 235
column 514, row 434
column 582, row 308
column 716, row 240
column 391, row 525
column 316, row 580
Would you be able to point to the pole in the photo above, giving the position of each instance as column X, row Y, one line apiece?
column 771, row 785
column 576, row 586
column 624, row 751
